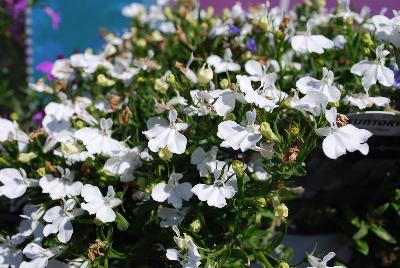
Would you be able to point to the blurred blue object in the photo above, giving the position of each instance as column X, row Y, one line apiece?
column 78, row 28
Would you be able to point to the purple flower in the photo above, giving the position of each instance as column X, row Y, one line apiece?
column 38, row 117
column 396, row 72
column 54, row 16
column 251, row 45
column 15, row 8
column 45, row 67
column 234, row 30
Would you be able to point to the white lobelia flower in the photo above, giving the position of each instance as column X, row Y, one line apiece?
column 371, row 71
column 256, row 166
column 11, row 131
column 237, row 137
column 10, row 256
column 224, row 187
column 72, row 152
column 187, row 253
column 60, row 187
column 223, row 101
column 341, row 139
column 223, row 65
column 98, row 204
column 173, row 191
column 59, row 219
column 339, row 41
column 363, row 101
column 206, row 162
column 89, row 62
column 188, row 72
column 171, row 216
column 124, row 164
column 99, row 141
column 314, row 102
column 252, row 96
column 388, row 29
column 161, row 134
column 318, row 263
column 267, row 87
column 325, row 85
column 39, row 256
column 62, row 70
column 31, row 223
column 14, row 182
column 202, row 103
column 308, row 43
column 134, row 10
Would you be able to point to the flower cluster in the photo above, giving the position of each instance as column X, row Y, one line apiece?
column 136, row 145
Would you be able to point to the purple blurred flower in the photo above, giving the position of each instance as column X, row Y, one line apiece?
column 38, row 117
column 45, row 67
column 15, row 8
column 54, row 16
column 251, row 45
column 234, row 30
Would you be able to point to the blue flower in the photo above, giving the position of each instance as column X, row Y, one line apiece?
column 251, row 45
column 396, row 72
column 234, row 30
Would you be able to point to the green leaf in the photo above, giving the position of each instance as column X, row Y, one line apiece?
column 122, row 223
column 381, row 209
column 396, row 207
column 383, row 234
column 362, row 247
column 113, row 254
column 363, row 231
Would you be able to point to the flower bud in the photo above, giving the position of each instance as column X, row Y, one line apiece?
column 264, row 23
column 231, row 116
column 156, row 36
column 195, row 226
column 141, row 42
column 238, row 167
column 41, row 171
column 165, row 154
column 160, row 85
column 68, row 148
column 79, row 124
column 367, row 39
column 294, row 131
column 14, row 116
column 367, row 51
column 335, row 104
column 281, row 211
column 224, row 83
column 103, row 81
column 204, row 75
column 266, row 131
column 283, row 265
column 171, row 79
column 26, row 157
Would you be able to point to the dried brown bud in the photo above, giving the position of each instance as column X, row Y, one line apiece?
column 114, row 102
column 342, row 120
column 291, row 155
column 180, row 67
column 50, row 168
column 95, row 250
column 124, row 116
column 284, row 23
column 37, row 133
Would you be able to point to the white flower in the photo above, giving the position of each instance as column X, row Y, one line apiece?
column 171, row 216
column 308, row 43
column 11, row 131
column 173, row 191
column 325, row 85
column 89, row 62
column 10, row 256
column 252, row 96
column 62, row 70
column 363, row 101
column 388, row 29
column 202, row 103
column 99, row 141
column 238, row 137
column 224, row 187
column 124, row 164
column 72, row 152
column 318, row 263
column 188, row 72
column 39, row 256
column 314, row 102
column 61, row 187
column 14, row 182
column 134, row 10
column 187, row 253
column 223, row 101
column 59, row 219
column 256, row 166
column 31, row 223
column 161, row 134
column 340, row 139
column 223, row 65
column 206, row 162
column 371, row 71
column 98, row 204
column 339, row 41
